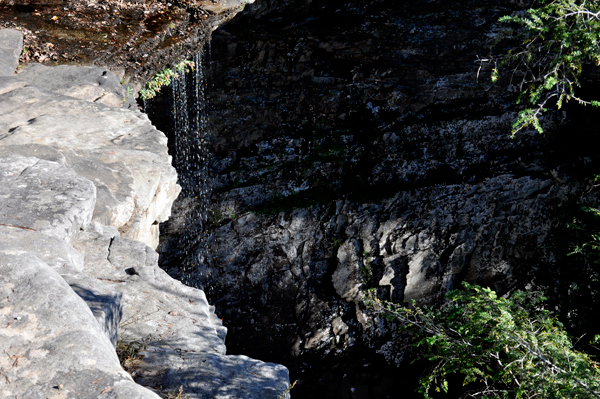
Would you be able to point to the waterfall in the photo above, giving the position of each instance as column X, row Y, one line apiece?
column 191, row 159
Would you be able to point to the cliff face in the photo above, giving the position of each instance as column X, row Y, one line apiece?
column 356, row 147
column 84, row 183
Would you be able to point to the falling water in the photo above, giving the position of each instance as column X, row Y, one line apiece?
column 191, row 159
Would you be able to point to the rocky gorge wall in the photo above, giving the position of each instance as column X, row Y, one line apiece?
column 356, row 148
column 84, row 183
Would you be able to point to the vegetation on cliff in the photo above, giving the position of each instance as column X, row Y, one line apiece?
column 163, row 78
column 557, row 39
column 500, row 347
column 512, row 347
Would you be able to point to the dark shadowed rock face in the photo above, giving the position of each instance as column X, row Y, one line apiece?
column 355, row 148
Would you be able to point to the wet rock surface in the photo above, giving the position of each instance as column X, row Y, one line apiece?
column 356, row 148
column 135, row 39
column 81, row 181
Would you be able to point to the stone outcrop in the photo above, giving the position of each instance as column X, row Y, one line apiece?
column 85, row 83
column 10, row 47
column 52, row 344
column 356, row 148
column 84, row 183
column 118, row 150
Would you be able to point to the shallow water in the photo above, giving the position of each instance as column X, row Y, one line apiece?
column 138, row 40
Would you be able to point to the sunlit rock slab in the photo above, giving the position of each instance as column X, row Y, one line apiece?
column 155, row 306
column 44, row 196
column 60, row 126
column 84, row 82
column 52, row 345
column 117, row 149
column 11, row 44
column 61, row 256
column 184, row 340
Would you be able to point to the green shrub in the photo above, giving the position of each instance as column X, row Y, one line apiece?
column 163, row 78
column 556, row 40
column 503, row 348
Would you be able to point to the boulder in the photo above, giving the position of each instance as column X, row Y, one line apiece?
column 11, row 44
column 51, row 342
column 118, row 150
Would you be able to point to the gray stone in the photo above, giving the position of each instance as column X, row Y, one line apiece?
column 52, row 345
column 118, row 150
column 75, row 175
column 395, row 117
column 11, row 44
column 155, row 305
column 348, row 277
column 222, row 377
column 56, row 253
column 69, row 263
column 44, row 196
column 104, row 302
column 183, row 338
column 394, row 277
column 86, row 83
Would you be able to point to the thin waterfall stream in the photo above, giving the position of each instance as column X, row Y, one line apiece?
column 189, row 145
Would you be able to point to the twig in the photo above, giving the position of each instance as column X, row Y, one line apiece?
column 18, row 227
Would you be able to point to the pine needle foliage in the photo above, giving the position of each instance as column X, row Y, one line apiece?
column 501, row 347
column 557, row 39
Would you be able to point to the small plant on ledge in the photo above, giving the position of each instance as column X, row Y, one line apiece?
column 163, row 78
column 129, row 357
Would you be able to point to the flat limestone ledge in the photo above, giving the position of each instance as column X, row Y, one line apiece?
column 104, row 281
column 51, row 342
column 83, row 118
column 58, row 337
column 117, row 149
